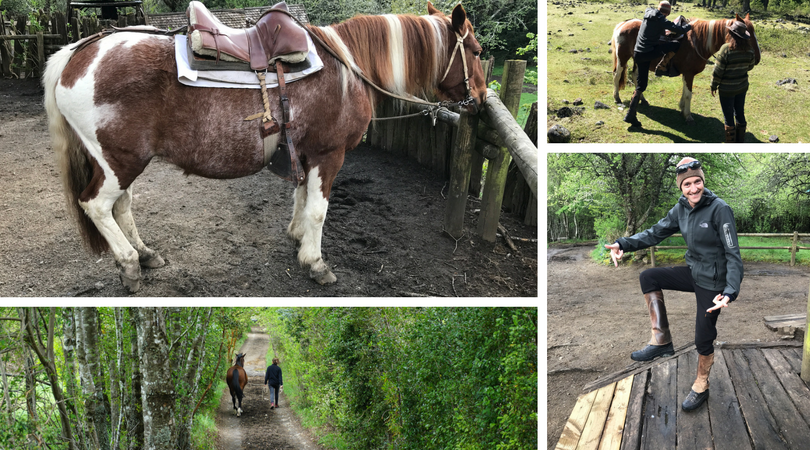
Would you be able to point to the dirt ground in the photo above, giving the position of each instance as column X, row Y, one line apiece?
column 597, row 317
column 259, row 427
column 383, row 235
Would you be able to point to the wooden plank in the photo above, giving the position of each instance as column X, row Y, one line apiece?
column 761, row 424
column 780, row 344
column 792, row 427
column 614, row 427
column 592, row 433
column 693, row 427
column 631, row 438
column 661, row 412
column 635, row 368
column 728, row 426
column 785, row 317
column 576, row 422
column 795, row 387
column 794, row 358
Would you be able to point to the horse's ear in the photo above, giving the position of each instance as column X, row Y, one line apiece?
column 737, row 17
column 458, row 18
column 432, row 10
column 746, row 17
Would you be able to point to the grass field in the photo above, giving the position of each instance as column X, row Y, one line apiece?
column 587, row 74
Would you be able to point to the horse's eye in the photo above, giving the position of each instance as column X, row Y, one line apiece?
column 476, row 54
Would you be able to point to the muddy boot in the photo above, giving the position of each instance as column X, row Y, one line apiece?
column 630, row 117
column 740, row 133
column 661, row 68
column 660, row 338
column 731, row 134
column 700, row 388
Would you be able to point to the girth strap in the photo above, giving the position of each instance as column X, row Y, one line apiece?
column 296, row 172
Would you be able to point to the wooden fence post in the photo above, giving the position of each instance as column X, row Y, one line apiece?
column 806, row 353
column 463, row 148
column 5, row 49
column 793, row 248
column 477, row 158
column 491, row 200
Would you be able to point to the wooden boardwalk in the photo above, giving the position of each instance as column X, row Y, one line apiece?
column 757, row 401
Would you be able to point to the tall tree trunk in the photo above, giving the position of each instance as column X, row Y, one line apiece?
column 69, row 350
column 98, row 406
column 157, row 397
column 193, row 370
column 30, row 381
column 44, row 352
column 85, row 379
column 6, row 396
column 117, row 380
column 134, row 405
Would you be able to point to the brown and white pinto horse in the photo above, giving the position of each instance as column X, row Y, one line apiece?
column 236, row 378
column 701, row 42
column 116, row 104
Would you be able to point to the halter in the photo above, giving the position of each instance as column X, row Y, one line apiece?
column 460, row 47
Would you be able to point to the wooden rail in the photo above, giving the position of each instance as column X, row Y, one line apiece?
column 794, row 247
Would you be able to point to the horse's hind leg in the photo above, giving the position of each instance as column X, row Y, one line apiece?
column 122, row 212
column 99, row 209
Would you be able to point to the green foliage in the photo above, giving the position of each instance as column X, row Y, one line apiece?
column 412, row 378
column 532, row 47
column 495, row 85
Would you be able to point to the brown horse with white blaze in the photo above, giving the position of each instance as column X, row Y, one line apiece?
column 701, row 42
column 116, row 104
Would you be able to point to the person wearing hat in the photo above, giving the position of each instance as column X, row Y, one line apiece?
column 713, row 271
column 649, row 47
column 733, row 62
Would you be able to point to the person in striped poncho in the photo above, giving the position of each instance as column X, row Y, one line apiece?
column 734, row 60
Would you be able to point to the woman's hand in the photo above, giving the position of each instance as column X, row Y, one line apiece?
column 713, row 91
column 615, row 253
column 721, row 301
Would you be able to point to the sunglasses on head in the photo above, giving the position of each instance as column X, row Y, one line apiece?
column 690, row 165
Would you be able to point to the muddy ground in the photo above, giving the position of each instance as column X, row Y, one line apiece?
column 259, row 427
column 597, row 317
column 383, row 235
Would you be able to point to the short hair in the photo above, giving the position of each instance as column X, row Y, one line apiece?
column 275, row 360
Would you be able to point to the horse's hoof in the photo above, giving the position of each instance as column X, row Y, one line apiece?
column 130, row 277
column 152, row 261
column 323, row 277
column 131, row 285
column 690, row 121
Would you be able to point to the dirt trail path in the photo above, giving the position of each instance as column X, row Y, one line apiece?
column 259, row 427
column 597, row 317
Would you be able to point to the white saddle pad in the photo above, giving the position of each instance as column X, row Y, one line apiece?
column 242, row 79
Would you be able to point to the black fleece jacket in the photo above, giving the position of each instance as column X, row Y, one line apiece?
column 273, row 376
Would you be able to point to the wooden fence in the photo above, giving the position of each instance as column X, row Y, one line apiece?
column 458, row 144
column 794, row 247
column 26, row 41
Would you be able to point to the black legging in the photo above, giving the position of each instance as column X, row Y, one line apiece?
column 643, row 61
column 680, row 279
column 733, row 107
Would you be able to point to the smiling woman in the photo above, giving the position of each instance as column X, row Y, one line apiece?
column 713, row 271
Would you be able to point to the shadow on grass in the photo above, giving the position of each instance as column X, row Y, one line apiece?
column 705, row 129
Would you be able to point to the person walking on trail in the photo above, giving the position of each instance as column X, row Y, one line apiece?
column 734, row 60
column 272, row 378
column 713, row 271
column 649, row 47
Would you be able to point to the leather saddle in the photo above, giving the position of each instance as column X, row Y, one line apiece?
column 275, row 37
column 670, row 36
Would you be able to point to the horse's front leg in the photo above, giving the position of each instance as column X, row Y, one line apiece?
column 686, row 99
column 309, row 223
column 618, row 74
column 296, row 229
column 122, row 212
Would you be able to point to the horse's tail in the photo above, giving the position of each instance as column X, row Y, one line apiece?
column 72, row 156
column 234, row 383
column 614, row 41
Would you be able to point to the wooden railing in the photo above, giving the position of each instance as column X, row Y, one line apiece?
column 794, row 247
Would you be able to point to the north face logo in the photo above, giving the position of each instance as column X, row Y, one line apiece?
column 704, row 225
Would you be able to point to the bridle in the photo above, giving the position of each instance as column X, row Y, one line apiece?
column 460, row 47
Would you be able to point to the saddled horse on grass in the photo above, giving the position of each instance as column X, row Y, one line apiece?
column 236, row 378
column 701, row 42
column 116, row 104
